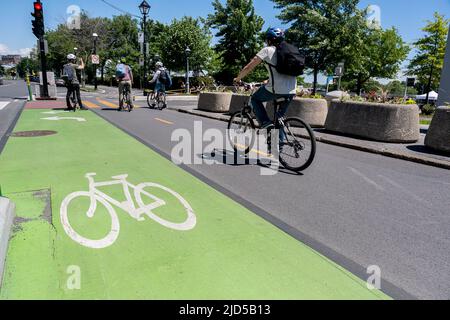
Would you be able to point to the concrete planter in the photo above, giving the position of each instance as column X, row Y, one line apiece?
column 214, row 102
column 438, row 136
column 237, row 102
column 375, row 121
column 312, row 111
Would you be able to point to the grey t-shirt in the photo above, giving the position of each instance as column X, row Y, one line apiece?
column 284, row 84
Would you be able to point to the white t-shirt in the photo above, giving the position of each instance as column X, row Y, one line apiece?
column 284, row 84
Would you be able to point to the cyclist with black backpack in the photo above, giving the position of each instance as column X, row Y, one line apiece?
column 284, row 63
column 162, row 81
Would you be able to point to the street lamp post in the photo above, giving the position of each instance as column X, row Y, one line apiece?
column 144, row 7
column 95, row 53
column 188, row 86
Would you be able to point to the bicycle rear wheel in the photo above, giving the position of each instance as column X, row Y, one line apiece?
column 162, row 101
column 241, row 132
column 151, row 100
column 298, row 148
column 126, row 101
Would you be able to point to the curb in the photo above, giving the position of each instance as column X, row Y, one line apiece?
column 7, row 213
column 336, row 142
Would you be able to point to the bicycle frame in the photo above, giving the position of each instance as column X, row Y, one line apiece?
column 128, row 205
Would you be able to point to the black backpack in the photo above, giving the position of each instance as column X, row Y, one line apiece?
column 289, row 60
column 165, row 79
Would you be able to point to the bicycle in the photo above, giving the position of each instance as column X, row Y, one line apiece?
column 157, row 99
column 297, row 139
column 96, row 197
column 126, row 99
column 74, row 103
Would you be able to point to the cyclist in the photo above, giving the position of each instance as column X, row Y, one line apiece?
column 161, row 79
column 72, row 82
column 124, row 76
column 278, row 86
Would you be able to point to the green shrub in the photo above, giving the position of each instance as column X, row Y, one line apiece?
column 428, row 109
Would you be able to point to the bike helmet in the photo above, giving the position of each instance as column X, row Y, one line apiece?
column 71, row 56
column 275, row 34
column 159, row 64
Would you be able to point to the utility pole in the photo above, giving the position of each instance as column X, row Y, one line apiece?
column 144, row 7
column 188, row 84
column 39, row 31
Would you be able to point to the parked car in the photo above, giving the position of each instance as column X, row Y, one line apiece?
column 35, row 79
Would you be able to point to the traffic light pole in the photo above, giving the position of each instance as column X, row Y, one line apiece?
column 44, row 93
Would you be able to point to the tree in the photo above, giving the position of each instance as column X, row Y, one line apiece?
column 324, row 29
column 375, row 53
column 428, row 62
column 2, row 70
column 238, row 27
column 181, row 34
column 27, row 65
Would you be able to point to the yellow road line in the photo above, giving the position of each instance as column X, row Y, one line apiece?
column 91, row 105
column 261, row 153
column 108, row 104
column 164, row 121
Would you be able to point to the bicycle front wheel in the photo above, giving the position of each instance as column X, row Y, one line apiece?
column 241, row 132
column 297, row 145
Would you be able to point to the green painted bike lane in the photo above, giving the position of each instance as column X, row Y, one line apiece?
column 231, row 253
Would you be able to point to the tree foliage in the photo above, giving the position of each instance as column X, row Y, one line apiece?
column 182, row 34
column 428, row 62
column 27, row 65
column 374, row 53
column 238, row 29
column 324, row 29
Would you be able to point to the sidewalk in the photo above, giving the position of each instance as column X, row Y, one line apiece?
column 228, row 253
column 415, row 152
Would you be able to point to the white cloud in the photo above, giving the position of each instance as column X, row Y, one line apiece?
column 3, row 49
column 24, row 52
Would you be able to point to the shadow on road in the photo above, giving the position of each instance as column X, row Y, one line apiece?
column 239, row 159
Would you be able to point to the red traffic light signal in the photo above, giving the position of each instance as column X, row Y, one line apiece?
column 38, row 6
column 38, row 22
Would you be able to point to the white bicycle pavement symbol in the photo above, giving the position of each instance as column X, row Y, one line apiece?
column 64, row 118
column 136, row 212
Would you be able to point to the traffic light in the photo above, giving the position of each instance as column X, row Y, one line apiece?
column 38, row 22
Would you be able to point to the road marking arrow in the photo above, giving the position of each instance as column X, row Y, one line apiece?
column 55, row 112
column 64, row 118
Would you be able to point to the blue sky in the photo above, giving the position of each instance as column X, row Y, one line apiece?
column 408, row 16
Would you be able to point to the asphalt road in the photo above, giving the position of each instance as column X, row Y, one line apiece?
column 358, row 209
column 11, row 95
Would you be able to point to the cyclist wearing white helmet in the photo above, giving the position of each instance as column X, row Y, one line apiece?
column 278, row 86
column 71, row 78
column 161, row 78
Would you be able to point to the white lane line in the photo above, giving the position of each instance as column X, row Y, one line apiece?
column 3, row 104
column 368, row 180
column 395, row 184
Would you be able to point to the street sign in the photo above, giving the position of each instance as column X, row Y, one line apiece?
column 339, row 71
column 45, row 46
column 95, row 59
column 141, row 37
column 141, row 61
